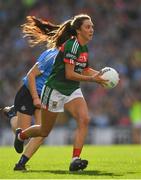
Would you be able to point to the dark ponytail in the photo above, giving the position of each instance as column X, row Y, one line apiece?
column 63, row 33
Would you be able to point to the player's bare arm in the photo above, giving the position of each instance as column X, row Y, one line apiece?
column 92, row 77
column 32, row 74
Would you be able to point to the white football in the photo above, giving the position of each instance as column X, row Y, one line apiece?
column 112, row 75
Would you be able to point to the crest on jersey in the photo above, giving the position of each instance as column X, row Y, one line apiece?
column 54, row 104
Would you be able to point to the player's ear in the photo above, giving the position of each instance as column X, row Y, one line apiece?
column 78, row 31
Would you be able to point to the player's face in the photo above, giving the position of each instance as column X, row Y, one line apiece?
column 86, row 31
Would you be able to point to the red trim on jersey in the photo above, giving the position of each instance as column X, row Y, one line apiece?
column 83, row 57
column 62, row 47
column 70, row 61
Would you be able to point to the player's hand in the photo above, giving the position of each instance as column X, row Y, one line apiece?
column 98, row 79
column 37, row 102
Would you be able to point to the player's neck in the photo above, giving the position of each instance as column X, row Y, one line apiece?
column 82, row 41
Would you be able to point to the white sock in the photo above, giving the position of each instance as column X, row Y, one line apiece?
column 74, row 158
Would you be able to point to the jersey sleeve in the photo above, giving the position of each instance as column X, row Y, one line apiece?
column 71, row 51
column 46, row 60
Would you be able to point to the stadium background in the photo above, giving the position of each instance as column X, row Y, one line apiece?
column 116, row 43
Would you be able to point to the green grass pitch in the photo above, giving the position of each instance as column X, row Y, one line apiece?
column 51, row 162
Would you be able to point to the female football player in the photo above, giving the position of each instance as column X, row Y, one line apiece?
column 62, row 89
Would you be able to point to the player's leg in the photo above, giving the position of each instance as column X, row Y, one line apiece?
column 24, row 106
column 78, row 108
column 23, row 122
column 32, row 145
column 47, row 123
column 48, row 118
column 17, row 119
column 11, row 114
column 14, row 123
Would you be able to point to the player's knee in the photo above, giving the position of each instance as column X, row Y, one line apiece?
column 84, row 121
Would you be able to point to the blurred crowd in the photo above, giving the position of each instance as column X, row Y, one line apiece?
column 116, row 43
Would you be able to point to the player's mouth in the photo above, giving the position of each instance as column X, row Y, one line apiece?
column 91, row 35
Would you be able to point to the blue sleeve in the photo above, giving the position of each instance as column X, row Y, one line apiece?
column 46, row 60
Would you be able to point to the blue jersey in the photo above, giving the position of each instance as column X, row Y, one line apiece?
column 45, row 63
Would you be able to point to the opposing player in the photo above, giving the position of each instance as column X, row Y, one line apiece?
column 27, row 101
column 62, row 89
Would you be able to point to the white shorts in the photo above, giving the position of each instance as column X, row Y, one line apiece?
column 55, row 101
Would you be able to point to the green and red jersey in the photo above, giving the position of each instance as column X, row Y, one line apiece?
column 73, row 53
